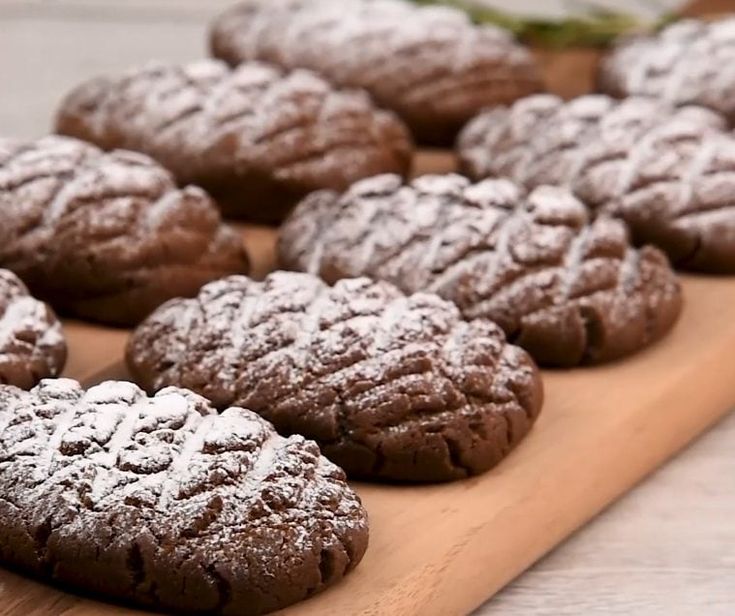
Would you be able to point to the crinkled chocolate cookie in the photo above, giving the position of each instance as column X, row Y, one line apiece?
column 255, row 137
column 106, row 236
column 567, row 290
column 429, row 64
column 668, row 172
column 163, row 502
column 32, row 344
column 688, row 62
column 391, row 387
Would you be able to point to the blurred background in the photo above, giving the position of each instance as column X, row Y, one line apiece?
column 566, row 8
column 47, row 45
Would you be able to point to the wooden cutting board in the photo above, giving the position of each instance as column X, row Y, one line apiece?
column 441, row 550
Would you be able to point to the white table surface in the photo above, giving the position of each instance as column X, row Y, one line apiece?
column 667, row 548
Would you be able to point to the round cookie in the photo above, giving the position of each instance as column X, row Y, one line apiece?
column 163, row 502
column 32, row 345
column 391, row 387
column 668, row 172
column 429, row 64
column 107, row 236
column 567, row 291
column 688, row 62
column 256, row 138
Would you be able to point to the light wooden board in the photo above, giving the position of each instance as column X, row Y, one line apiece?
column 434, row 550
column 663, row 549
column 91, row 348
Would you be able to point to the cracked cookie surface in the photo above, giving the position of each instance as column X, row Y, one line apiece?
column 391, row 387
column 688, row 62
column 166, row 503
column 668, row 172
column 430, row 64
column 32, row 344
column 255, row 137
column 567, row 291
column 106, row 236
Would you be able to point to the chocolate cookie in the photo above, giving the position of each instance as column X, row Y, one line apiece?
column 668, row 172
column 567, row 291
column 391, row 387
column 256, row 138
column 103, row 236
column 687, row 62
column 431, row 65
column 32, row 344
column 163, row 502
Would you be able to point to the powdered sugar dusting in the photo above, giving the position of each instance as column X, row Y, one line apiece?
column 32, row 345
column 688, row 62
column 213, row 126
column 427, row 63
column 87, row 229
column 355, row 366
column 530, row 263
column 170, row 476
column 639, row 159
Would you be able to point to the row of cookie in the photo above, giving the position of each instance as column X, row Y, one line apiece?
column 436, row 70
column 165, row 502
column 110, row 237
column 390, row 386
column 257, row 137
column 259, row 140
column 188, row 503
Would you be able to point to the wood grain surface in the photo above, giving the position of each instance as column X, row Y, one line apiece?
column 91, row 348
column 665, row 548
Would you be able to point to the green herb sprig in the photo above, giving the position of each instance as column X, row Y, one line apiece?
column 596, row 27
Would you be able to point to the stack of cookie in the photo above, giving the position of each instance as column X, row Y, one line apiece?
column 402, row 344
